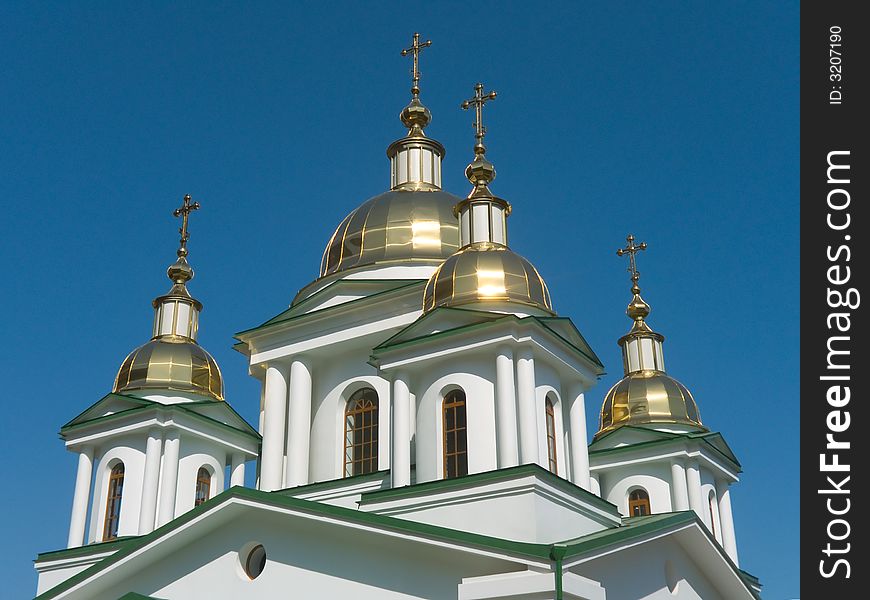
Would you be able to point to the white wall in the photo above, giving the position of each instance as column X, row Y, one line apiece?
column 475, row 375
column 195, row 453
column 650, row 574
column 619, row 482
column 130, row 450
column 333, row 383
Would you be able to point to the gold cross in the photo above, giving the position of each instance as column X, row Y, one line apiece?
column 631, row 249
column 415, row 49
column 184, row 212
column 480, row 98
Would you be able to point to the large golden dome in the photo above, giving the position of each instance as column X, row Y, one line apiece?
column 648, row 397
column 486, row 271
column 171, row 363
column 397, row 226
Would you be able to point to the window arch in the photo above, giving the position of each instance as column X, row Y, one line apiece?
column 551, row 435
column 455, row 435
column 113, row 502
column 203, row 486
column 361, row 433
column 638, row 503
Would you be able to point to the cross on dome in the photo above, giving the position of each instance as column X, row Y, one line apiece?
column 415, row 49
column 184, row 212
column 478, row 101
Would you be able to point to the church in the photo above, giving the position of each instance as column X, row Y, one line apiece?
column 421, row 434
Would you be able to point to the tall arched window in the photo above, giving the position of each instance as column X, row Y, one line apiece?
column 455, row 435
column 361, row 433
column 113, row 503
column 203, row 486
column 551, row 435
column 638, row 503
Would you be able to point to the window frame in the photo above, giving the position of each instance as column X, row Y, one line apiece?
column 355, row 407
column 114, row 497
column 550, row 424
column 200, row 480
column 639, row 502
column 457, row 401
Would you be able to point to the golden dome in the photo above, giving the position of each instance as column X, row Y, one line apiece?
column 171, row 363
column 397, row 226
column 648, row 397
column 486, row 271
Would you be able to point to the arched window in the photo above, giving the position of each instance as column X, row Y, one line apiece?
column 113, row 503
column 551, row 435
column 203, row 486
column 638, row 503
column 361, row 433
column 455, row 439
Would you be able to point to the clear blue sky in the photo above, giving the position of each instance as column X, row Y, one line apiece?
column 677, row 121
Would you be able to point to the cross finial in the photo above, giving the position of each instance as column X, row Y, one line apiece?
column 184, row 212
column 415, row 49
column 632, row 249
column 480, row 98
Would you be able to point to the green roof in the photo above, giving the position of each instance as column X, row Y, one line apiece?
column 90, row 549
column 293, row 313
column 631, row 529
column 485, row 319
column 146, row 405
column 440, row 485
column 712, row 439
column 135, row 596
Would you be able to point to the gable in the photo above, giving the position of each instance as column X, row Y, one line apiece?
column 306, row 545
column 441, row 320
column 107, row 405
column 628, row 435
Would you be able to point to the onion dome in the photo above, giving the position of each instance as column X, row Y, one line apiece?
column 414, row 221
column 484, row 269
column 486, row 272
column 646, row 395
column 172, row 360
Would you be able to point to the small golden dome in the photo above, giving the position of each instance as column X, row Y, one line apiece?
column 397, row 226
column 171, row 363
column 485, row 271
column 648, row 397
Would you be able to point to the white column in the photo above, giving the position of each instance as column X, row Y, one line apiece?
column 528, row 420
column 400, row 465
column 679, row 486
column 237, row 469
column 693, row 479
column 169, row 483
column 150, row 481
column 274, row 418
column 577, row 433
column 80, row 498
column 726, row 519
column 299, row 424
column 506, row 408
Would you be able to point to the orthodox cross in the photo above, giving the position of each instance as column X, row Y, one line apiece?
column 415, row 49
column 480, row 98
column 631, row 249
column 184, row 212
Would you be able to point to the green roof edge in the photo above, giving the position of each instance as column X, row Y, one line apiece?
column 272, row 322
column 499, row 474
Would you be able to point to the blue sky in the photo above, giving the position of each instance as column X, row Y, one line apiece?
column 676, row 121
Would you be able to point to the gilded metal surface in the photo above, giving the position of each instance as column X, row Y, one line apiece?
column 486, row 272
column 397, row 226
column 648, row 397
column 478, row 101
column 184, row 212
column 415, row 49
column 171, row 363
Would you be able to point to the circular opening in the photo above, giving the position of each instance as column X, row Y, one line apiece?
column 255, row 561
